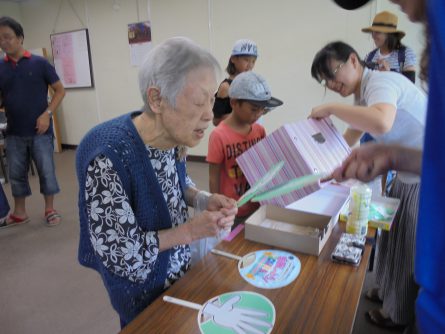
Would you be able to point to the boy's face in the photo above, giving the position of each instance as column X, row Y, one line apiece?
column 246, row 112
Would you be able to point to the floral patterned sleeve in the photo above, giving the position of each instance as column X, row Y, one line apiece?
column 118, row 241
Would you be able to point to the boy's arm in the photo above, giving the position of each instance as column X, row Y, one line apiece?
column 214, row 177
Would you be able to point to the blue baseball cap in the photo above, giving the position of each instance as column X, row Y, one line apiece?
column 253, row 88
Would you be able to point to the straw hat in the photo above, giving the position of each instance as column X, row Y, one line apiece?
column 385, row 22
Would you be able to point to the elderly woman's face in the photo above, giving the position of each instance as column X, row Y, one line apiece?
column 186, row 123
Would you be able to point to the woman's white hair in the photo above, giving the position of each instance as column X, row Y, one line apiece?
column 167, row 65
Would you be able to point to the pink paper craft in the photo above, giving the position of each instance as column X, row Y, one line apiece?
column 307, row 147
column 234, row 233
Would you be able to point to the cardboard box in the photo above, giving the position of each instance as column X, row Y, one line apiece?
column 381, row 214
column 307, row 147
column 292, row 229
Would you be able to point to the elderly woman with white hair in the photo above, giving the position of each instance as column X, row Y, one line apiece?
column 133, row 187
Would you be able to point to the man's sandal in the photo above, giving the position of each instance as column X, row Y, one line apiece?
column 52, row 218
column 13, row 220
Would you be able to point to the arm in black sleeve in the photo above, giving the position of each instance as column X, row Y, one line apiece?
column 410, row 75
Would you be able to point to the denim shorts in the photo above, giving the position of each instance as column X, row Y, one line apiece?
column 19, row 151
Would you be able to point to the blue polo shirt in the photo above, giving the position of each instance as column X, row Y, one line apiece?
column 24, row 91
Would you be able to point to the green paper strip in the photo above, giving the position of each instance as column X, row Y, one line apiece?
column 263, row 181
column 288, row 187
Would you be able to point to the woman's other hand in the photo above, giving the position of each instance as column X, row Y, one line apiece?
column 226, row 206
column 365, row 163
column 321, row 111
column 383, row 65
column 204, row 225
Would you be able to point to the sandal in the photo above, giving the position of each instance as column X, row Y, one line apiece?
column 377, row 318
column 52, row 218
column 373, row 295
column 13, row 220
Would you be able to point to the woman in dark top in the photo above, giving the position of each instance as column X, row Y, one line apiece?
column 242, row 59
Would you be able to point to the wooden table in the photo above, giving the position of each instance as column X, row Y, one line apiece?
column 323, row 298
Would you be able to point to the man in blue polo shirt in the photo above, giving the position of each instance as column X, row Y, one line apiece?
column 24, row 80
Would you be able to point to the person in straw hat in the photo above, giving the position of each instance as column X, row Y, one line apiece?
column 390, row 54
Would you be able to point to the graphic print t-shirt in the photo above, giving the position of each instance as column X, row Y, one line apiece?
column 225, row 145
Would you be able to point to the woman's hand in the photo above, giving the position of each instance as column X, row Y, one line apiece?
column 218, row 202
column 371, row 160
column 366, row 162
column 224, row 205
column 204, row 225
column 321, row 111
column 383, row 65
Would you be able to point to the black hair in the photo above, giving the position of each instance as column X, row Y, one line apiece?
column 338, row 50
column 231, row 67
column 6, row 21
column 393, row 41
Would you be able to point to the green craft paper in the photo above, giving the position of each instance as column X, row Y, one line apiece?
column 272, row 172
column 288, row 187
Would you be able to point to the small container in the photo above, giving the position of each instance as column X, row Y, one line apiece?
column 360, row 201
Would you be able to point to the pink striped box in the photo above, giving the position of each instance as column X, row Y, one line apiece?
column 307, row 147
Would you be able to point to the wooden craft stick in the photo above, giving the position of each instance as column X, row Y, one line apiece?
column 182, row 302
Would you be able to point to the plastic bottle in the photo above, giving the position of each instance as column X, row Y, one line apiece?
column 360, row 201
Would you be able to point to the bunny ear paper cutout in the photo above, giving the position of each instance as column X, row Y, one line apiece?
column 260, row 184
column 288, row 187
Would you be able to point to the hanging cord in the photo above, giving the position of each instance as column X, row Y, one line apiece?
column 137, row 11
column 210, row 19
column 58, row 15
column 77, row 15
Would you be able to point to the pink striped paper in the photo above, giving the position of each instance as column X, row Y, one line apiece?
column 307, row 147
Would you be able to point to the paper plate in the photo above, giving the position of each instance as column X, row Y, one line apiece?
column 263, row 181
column 237, row 312
column 269, row 269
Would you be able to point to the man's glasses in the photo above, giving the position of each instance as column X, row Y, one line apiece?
column 325, row 82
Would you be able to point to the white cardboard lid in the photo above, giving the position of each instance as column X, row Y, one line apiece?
column 327, row 201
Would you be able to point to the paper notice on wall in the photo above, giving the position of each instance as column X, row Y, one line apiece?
column 139, row 39
column 72, row 58
column 138, row 53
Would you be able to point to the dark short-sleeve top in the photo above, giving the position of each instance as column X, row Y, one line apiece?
column 24, row 91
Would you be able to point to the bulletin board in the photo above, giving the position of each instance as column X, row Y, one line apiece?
column 72, row 58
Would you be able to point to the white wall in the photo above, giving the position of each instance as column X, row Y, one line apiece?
column 288, row 34
column 11, row 9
